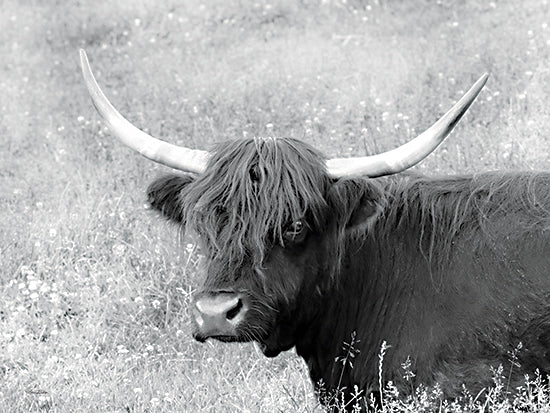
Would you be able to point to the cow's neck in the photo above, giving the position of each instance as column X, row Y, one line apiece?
column 352, row 315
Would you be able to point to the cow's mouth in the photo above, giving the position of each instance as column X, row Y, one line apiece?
column 267, row 348
column 201, row 338
column 226, row 339
column 270, row 348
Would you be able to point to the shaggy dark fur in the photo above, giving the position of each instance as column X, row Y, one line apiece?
column 252, row 191
column 451, row 272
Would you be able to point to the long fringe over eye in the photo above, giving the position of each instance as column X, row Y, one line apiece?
column 251, row 191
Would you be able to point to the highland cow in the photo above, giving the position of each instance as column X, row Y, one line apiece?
column 308, row 252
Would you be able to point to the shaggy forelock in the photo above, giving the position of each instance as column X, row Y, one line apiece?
column 251, row 191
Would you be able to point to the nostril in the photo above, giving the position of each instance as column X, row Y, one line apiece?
column 232, row 313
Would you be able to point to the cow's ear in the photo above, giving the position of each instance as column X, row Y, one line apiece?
column 164, row 195
column 357, row 202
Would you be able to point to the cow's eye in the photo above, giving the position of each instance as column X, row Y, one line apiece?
column 295, row 231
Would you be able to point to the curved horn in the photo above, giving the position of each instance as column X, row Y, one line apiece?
column 174, row 156
column 409, row 154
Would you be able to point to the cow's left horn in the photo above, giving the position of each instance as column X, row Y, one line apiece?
column 409, row 154
column 174, row 156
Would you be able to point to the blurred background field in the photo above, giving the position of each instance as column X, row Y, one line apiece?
column 94, row 287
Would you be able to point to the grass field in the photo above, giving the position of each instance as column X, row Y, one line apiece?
column 94, row 287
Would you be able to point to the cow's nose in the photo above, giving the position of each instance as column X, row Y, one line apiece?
column 218, row 315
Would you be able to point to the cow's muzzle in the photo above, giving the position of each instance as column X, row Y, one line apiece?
column 218, row 315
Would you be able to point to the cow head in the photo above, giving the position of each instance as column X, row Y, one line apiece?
column 272, row 216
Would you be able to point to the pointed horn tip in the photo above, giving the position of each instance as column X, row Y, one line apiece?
column 84, row 63
column 83, row 56
column 483, row 79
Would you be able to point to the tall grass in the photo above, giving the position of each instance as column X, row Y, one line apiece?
column 95, row 287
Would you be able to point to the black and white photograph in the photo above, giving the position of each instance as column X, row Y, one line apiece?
column 275, row 206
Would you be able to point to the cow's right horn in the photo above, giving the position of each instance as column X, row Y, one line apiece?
column 184, row 159
column 412, row 152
